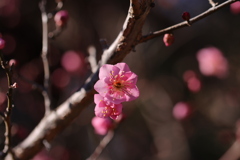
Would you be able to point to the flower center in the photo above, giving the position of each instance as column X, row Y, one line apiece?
column 117, row 85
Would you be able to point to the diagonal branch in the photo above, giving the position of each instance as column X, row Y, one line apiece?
column 128, row 38
column 185, row 23
column 57, row 120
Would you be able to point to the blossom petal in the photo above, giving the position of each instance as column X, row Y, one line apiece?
column 101, row 87
column 105, row 70
column 108, row 70
column 114, row 98
column 131, row 77
column 133, row 94
column 123, row 67
column 102, row 111
column 97, row 98
column 101, row 125
column 117, row 110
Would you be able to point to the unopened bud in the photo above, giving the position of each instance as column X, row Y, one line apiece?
column 186, row 16
column 12, row 62
column 168, row 39
column 61, row 18
column 2, row 43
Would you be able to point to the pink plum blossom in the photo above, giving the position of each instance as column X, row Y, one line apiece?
column 117, row 83
column 212, row 62
column 101, row 125
column 235, row 7
column 105, row 109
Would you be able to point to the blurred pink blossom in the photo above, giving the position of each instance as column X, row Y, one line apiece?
column 43, row 155
column 212, row 62
column 181, row 110
column 71, row 61
column 60, row 78
column 117, row 83
column 235, row 7
column 101, row 125
column 105, row 108
column 2, row 43
column 192, row 80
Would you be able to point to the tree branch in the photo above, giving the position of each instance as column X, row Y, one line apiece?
column 128, row 38
column 185, row 23
column 7, row 114
column 58, row 119
column 212, row 3
column 104, row 142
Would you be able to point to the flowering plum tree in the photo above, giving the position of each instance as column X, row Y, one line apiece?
column 189, row 101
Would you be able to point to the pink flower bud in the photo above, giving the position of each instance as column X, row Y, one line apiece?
column 101, row 125
column 12, row 62
column 2, row 43
column 186, row 16
column 168, row 39
column 61, row 18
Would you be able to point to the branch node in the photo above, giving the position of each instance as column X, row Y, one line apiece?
column 46, row 144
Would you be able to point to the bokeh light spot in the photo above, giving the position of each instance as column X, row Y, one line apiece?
column 60, row 78
column 181, row 110
column 71, row 61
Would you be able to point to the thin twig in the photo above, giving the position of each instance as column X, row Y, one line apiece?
column 46, row 91
column 92, row 58
column 7, row 114
column 34, row 85
column 108, row 137
column 185, row 23
column 105, row 141
column 212, row 3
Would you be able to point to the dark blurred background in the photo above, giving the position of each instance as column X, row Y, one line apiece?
column 182, row 113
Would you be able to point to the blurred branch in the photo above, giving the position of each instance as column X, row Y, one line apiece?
column 34, row 85
column 102, row 145
column 92, row 58
column 46, row 90
column 185, row 23
column 233, row 152
column 7, row 114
